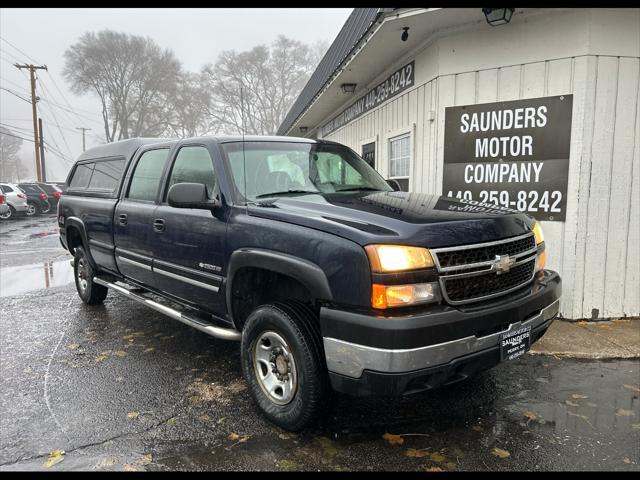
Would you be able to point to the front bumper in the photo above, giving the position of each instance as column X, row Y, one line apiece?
column 369, row 355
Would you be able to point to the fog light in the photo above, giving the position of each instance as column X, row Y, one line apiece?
column 387, row 296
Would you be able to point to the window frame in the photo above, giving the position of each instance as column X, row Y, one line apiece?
column 164, row 193
column 132, row 170
column 390, row 140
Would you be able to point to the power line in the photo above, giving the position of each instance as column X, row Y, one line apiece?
column 64, row 139
column 16, row 136
column 15, row 94
column 16, row 48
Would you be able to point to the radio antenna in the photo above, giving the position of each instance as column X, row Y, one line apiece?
column 244, row 159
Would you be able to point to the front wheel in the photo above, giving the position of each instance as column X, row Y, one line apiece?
column 89, row 292
column 283, row 363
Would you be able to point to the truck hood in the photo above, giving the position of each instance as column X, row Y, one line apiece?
column 397, row 217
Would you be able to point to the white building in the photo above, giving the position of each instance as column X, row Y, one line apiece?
column 567, row 151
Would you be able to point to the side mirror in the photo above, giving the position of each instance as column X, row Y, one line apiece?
column 190, row 195
column 394, row 184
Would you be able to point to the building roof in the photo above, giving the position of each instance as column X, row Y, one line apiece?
column 358, row 23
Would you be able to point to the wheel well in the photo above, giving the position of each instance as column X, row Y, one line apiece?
column 254, row 286
column 74, row 239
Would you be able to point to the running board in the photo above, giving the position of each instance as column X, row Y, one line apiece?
column 218, row 332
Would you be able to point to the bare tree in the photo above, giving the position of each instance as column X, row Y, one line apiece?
column 271, row 79
column 11, row 166
column 190, row 106
column 131, row 75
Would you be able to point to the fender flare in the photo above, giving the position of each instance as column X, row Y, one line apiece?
column 75, row 222
column 307, row 273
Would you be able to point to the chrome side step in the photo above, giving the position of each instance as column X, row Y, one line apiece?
column 218, row 332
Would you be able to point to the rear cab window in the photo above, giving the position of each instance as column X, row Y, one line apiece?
column 99, row 177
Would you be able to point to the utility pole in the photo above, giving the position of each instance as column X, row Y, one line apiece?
column 83, row 130
column 32, row 70
column 44, row 170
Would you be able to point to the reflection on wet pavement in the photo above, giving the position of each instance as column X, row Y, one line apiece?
column 26, row 278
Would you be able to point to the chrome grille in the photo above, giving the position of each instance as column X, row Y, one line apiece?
column 468, row 273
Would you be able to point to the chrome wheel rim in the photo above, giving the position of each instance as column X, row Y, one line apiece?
column 31, row 210
column 82, row 274
column 275, row 368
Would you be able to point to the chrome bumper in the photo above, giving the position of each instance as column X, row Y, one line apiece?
column 351, row 359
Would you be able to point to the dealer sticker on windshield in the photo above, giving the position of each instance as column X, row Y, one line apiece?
column 515, row 344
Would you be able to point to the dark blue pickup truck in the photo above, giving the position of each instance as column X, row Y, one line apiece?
column 300, row 250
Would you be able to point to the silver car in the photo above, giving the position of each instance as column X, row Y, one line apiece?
column 16, row 199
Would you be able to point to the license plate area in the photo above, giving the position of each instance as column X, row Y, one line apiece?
column 515, row 344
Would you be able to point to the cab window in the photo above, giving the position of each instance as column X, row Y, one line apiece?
column 193, row 164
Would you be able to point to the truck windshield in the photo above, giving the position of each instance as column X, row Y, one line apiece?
column 276, row 169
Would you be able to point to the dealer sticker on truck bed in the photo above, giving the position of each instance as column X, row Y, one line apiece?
column 514, row 344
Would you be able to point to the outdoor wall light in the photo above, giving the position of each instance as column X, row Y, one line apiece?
column 304, row 129
column 405, row 34
column 498, row 16
column 348, row 87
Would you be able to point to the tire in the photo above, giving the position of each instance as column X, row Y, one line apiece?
column 10, row 214
column 297, row 326
column 44, row 208
column 89, row 292
column 31, row 210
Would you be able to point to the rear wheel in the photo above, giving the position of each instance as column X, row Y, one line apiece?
column 44, row 208
column 11, row 213
column 31, row 209
column 283, row 363
column 89, row 292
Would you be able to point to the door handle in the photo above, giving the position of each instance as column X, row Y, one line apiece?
column 123, row 219
column 158, row 225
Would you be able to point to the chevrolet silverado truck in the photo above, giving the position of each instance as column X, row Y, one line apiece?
column 328, row 276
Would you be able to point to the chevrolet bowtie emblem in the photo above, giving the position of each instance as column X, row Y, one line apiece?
column 503, row 263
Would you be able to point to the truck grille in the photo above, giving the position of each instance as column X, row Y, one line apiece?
column 455, row 258
column 488, row 284
column 468, row 273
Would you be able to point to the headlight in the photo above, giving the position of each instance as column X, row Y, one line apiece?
column 385, row 296
column 537, row 233
column 397, row 258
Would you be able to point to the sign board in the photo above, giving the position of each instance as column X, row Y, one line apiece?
column 514, row 154
column 395, row 83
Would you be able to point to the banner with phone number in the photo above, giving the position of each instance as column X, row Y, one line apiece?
column 514, row 154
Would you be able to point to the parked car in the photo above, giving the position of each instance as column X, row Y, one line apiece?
column 301, row 251
column 4, row 206
column 53, row 192
column 37, row 198
column 16, row 199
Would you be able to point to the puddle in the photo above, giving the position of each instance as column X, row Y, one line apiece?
column 27, row 278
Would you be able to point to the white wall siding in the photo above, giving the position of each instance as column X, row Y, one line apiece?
column 597, row 248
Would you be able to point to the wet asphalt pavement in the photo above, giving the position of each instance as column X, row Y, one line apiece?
column 121, row 387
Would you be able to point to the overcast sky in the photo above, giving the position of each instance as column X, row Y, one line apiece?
column 196, row 36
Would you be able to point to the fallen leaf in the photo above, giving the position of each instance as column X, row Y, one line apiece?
column 133, row 415
column 626, row 460
column 205, row 418
column 631, row 387
column 172, row 421
column 621, row 320
column 100, row 358
column 437, row 457
column 131, row 468
column 433, row 469
column 578, row 396
column 105, row 462
column 54, row 457
column 581, row 323
column 450, row 465
column 150, row 349
column 531, row 415
column 328, row 446
column 288, row 464
column 221, row 420
column 393, row 439
column 499, row 452
column 120, row 353
column 146, row 459
column 414, row 453
column 244, row 438
column 584, row 417
column 621, row 412
column 477, row 428
column 573, row 404
column 233, row 437
column 73, row 346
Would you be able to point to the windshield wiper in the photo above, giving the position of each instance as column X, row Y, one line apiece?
column 285, row 192
column 352, row 189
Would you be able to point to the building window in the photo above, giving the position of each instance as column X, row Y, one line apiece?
column 400, row 159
